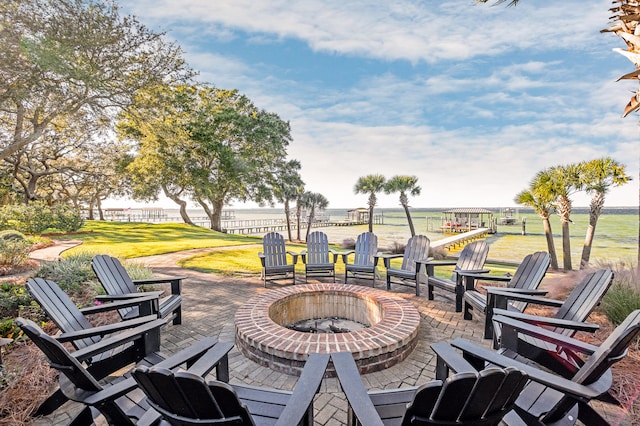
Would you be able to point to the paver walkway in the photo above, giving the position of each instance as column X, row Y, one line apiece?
column 209, row 306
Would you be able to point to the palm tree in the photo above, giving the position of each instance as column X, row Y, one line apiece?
column 313, row 201
column 565, row 180
column 288, row 187
column 370, row 184
column 541, row 198
column 597, row 177
column 404, row 184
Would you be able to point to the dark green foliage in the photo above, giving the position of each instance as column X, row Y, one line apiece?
column 14, row 252
column 624, row 295
column 15, row 301
column 73, row 273
column 11, row 234
column 37, row 217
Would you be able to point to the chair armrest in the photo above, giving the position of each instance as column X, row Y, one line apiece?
column 510, row 295
column 548, row 321
column 335, row 254
column 150, row 300
column 484, row 277
column 449, row 358
column 386, row 258
column 306, row 388
column 104, row 329
column 118, row 340
column 478, row 353
column 119, row 389
column 467, row 272
column 215, row 357
column 512, row 327
column 443, row 262
column 126, row 296
column 421, row 262
column 354, row 389
column 176, row 282
column 532, row 292
column 345, row 255
column 294, row 256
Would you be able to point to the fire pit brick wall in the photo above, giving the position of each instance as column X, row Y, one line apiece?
column 261, row 336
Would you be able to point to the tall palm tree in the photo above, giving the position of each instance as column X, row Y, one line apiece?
column 565, row 181
column 370, row 184
column 541, row 198
column 313, row 201
column 597, row 177
column 289, row 185
column 404, row 184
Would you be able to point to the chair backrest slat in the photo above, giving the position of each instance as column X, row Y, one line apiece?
column 317, row 248
column 417, row 249
column 275, row 251
column 584, row 298
column 60, row 308
column 114, row 278
column 472, row 258
column 366, row 248
column 529, row 274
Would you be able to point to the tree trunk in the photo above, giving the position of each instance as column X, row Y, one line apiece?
column 91, row 210
column 551, row 247
column 372, row 203
column 298, row 213
column 309, row 222
column 287, row 215
column 566, row 246
column 99, row 206
column 181, row 203
column 411, row 227
column 594, row 213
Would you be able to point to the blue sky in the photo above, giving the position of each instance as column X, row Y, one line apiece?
column 473, row 99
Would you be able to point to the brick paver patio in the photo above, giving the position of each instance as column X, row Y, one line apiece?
column 209, row 306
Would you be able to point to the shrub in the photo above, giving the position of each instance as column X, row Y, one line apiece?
column 16, row 301
column 14, row 252
column 37, row 217
column 72, row 273
column 623, row 297
column 11, row 234
column 349, row 244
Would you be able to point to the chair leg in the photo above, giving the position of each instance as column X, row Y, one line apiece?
column 345, row 275
column 459, row 295
column 388, row 282
column 177, row 319
column 467, row 311
column 429, row 291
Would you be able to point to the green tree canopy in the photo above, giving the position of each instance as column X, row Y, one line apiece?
column 404, row 185
column 371, row 185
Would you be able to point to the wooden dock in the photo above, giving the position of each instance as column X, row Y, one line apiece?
column 460, row 238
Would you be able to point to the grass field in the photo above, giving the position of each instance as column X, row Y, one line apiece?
column 616, row 241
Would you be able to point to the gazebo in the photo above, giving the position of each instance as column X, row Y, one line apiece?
column 466, row 219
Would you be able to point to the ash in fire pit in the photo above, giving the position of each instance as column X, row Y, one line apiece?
column 327, row 325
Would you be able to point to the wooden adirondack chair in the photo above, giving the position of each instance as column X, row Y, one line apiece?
column 274, row 259
column 76, row 329
column 118, row 284
column 466, row 398
column 567, row 320
column 416, row 255
column 471, row 259
column 525, row 280
column 316, row 257
column 120, row 401
column 185, row 398
column 549, row 398
column 366, row 258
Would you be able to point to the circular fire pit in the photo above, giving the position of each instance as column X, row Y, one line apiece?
column 389, row 337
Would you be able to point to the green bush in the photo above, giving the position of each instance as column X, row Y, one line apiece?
column 623, row 297
column 16, row 301
column 11, row 234
column 38, row 217
column 14, row 252
column 72, row 273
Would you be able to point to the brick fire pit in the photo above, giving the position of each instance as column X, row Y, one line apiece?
column 390, row 336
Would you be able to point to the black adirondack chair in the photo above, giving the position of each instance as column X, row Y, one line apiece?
column 567, row 320
column 274, row 259
column 525, row 280
column 121, row 402
column 118, row 284
column 365, row 260
column 466, row 398
column 471, row 260
column 76, row 329
column 412, row 270
column 549, row 398
column 316, row 257
column 185, row 398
